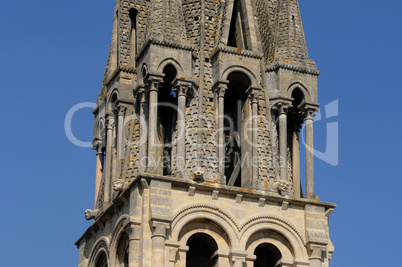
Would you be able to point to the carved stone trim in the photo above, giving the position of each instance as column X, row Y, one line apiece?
column 235, row 51
column 164, row 43
column 280, row 65
column 274, row 218
column 208, row 207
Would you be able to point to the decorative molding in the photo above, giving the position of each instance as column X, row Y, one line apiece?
column 297, row 68
column 207, row 207
column 235, row 51
column 164, row 43
column 274, row 218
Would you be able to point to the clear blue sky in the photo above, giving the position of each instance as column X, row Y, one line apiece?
column 53, row 55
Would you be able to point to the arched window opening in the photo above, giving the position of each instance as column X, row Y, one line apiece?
column 236, row 112
column 237, row 31
column 201, row 253
column 267, row 256
column 122, row 251
column 133, row 34
column 294, row 126
column 167, row 117
column 102, row 261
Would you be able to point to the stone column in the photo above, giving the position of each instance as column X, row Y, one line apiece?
column 283, row 142
column 309, row 153
column 316, row 256
column 296, row 160
column 254, row 161
column 143, row 143
column 220, row 92
column 158, row 243
column 120, row 110
column 99, row 167
column 134, row 245
column 154, row 83
column 181, row 91
column 108, row 163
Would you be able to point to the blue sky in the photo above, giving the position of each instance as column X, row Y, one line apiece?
column 53, row 55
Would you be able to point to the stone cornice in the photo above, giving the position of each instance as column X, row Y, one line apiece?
column 164, row 43
column 235, row 51
column 205, row 186
column 126, row 69
column 297, row 68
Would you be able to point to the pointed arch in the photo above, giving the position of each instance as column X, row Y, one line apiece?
column 299, row 85
column 179, row 69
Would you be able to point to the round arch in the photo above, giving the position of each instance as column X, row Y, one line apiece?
column 100, row 246
column 119, row 229
column 302, row 88
column 242, row 70
column 269, row 224
column 186, row 222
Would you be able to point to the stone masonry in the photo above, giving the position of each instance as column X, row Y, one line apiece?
column 197, row 134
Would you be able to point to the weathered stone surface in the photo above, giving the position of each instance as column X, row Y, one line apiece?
column 175, row 70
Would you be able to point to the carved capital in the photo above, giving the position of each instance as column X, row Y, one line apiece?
column 253, row 94
column 97, row 145
column 134, row 231
column 120, row 110
column 182, row 89
column 238, row 258
column 309, row 110
column 282, row 107
column 316, row 252
column 109, row 123
column 160, row 228
column 220, row 89
column 153, row 82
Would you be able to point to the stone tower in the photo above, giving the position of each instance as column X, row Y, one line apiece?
column 197, row 137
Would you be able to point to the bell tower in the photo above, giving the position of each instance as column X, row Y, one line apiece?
column 197, row 139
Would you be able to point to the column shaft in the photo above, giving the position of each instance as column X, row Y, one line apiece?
column 283, row 145
column 120, row 136
column 134, row 246
column 254, row 160
column 143, row 133
column 221, row 140
column 108, row 163
column 99, row 169
column 158, row 245
column 114, row 152
column 181, row 145
column 296, row 163
column 309, row 156
column 152, row 131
